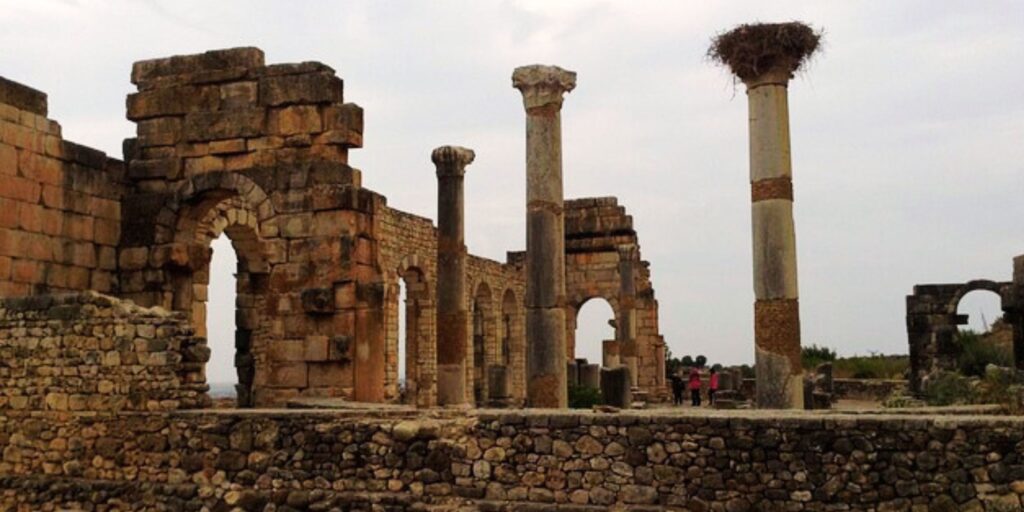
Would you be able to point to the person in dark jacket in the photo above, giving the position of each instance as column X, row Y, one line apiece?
column 677, row 389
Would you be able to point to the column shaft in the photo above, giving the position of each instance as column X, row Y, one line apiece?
column 452, row 311
column 542, row 88
column 776, row 310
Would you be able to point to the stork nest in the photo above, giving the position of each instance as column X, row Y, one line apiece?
column 752, row 50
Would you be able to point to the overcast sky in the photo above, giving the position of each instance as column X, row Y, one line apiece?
column 907, row 132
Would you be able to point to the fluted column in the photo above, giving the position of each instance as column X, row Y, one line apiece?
column 542, row 88
column 452, row 312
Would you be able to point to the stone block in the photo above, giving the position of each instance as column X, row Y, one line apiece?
column 227, row 146
column 330, row 374
column 287, row 351
column 215, row 60
column 318, row 301
column 164, row 168
column 172, row 101
column 224, row 124
column 319, row 87
column 23, row 97
column 238, row 94
column 616, row 387
column 160, row 131
column 288, row 375
column 298, row 119
column 317, row 348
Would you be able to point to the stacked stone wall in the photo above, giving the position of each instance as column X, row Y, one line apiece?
column 90, row 352
column 60, row 212
column 513, row 461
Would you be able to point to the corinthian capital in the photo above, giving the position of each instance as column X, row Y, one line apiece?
column 543, row 86
column 452, row 160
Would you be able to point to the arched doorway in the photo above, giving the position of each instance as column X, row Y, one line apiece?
column 595, row 332
column 221, row 214
column 407, row 369
column 484, row 341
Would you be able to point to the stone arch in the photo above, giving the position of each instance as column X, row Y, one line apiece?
column 483, row 340
column 207, row 188
column 418, row 335
column 507, row 378
column 933, row 320
column 573, row 305
column 609, row 347
column 204, row 208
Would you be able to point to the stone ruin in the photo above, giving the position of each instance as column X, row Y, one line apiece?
column 227, row 144
column 933, row 321
column 104, row 269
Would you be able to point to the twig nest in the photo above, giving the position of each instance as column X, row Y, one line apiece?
column 750, row 51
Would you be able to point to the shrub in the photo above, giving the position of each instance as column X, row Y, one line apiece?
column 976, row 353
column 948, row 388
column 875, row 366
column 583, row 397
column 813, row 355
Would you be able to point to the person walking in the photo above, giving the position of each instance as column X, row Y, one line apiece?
column 712, row 385
column 695, row 386
column 677, row 389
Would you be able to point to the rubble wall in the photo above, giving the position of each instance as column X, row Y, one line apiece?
column 60, row 211
column 90, row 352
column 656, row 461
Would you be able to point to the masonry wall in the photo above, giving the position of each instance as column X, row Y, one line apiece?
column 318, row 460
column 409, row 254
column 91, row 352
column 60, row 212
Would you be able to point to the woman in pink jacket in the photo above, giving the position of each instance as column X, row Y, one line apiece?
column 695, row 386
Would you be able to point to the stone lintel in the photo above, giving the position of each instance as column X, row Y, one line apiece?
column 543, row 86
column 452, row 160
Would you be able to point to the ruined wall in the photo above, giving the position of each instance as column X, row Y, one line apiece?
column 91, row 352
column 60, row 215
column 409, row 253
column 229, row 145
column 318, row 460
column 603, row 261
column 933, row 321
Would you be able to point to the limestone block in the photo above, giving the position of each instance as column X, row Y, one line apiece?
column 172, row 101
column 288, row 375
column 224, row 124
column 316, row 348
column 287, row 351
column 298, row 119
column 322, row 87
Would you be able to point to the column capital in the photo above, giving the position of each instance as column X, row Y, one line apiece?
column 452, row 160
column 543, row 86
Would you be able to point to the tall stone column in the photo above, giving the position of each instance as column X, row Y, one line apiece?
column 764, row 57
column 452, row 311
column 542, row 88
